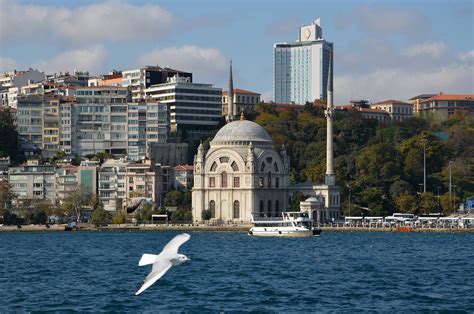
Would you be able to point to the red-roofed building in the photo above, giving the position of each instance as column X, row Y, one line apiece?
column 447, row 104
column 398, row 110
column 367, row 113
column 243, row 99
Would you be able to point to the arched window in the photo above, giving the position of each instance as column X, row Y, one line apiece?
column 262, row 167
column 224, row 179
column 236, row 209
column 214, row 166
column 275, row 167
column 277, row 182
column 212, row 208
column 234, row 166
column 277, row 208
column 269, row 208
column 262, row 210
column 269, row 180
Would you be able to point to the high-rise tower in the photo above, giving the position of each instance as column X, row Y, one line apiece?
column 330, row 178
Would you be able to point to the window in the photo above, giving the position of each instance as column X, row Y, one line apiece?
column 269, row 180
column 236, row 209
column 214, row 166
column 224, row 159
column 262, row 211
column 277, row 208
column 224, row 179
column 277, row 182
column 275, row 167
column 212, row 208
column 236, row 182
column 269, row 208
column 260, row 182
column 212, row 182
column 234, row 166
column 262, row 167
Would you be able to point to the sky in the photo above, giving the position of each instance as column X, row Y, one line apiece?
column 382, row 49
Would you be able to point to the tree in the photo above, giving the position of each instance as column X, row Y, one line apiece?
column 295, row 200
column 206, row 214
column 9, row 137
column 428, row 203
column 75, row 200
column 100, row 216
column 407, row 203
column 119, row 217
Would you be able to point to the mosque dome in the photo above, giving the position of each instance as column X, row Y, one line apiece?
column 242, row 131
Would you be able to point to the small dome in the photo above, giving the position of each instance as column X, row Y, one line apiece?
column 242, row 130
column 312, row 199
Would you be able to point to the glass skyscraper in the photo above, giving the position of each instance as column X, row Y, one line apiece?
column 300, row 69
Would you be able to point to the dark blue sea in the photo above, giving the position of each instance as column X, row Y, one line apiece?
column 342, row 272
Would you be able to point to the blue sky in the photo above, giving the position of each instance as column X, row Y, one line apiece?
column 383, row 49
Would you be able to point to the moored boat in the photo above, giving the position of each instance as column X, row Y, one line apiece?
column 290, row 224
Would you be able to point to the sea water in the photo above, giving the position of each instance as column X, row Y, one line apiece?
column 97, row 271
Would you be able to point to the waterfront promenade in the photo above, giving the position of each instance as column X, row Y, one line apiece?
column 220, row 228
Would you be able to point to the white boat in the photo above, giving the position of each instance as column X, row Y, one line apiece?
column 290, row 224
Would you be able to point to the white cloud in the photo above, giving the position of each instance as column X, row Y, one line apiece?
column 208, row 65
column 267, row 96
column 7, row 64
column 402, row 84
column 383, row 19
column 88, row 59
column 467, row 56
column 94, row 23
column 434, row 49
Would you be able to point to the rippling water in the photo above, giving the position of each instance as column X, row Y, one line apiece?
column 97, row 271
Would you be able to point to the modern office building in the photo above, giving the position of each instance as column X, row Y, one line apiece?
column 300, row 69
column 140, row 79
column 192, row 106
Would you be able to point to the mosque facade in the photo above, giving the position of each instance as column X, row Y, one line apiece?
column 242, row 174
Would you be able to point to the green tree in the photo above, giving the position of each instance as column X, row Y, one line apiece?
column 206, row 214
column 75, row 200
column 100, row 216
column 119, row 217
column 406, row 203
column 295, row 200
column 9, row 137
column 428, row 203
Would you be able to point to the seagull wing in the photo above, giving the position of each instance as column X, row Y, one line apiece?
column 173, row 246
column 160, row 267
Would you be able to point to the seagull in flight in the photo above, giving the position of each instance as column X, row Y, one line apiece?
column 163, row 261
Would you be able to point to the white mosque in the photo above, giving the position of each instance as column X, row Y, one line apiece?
column 243, row 175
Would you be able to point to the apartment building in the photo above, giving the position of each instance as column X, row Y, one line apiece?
column 112, row 184
column 141, row 180
column 183, row 177
column 148, row 122
column 100, row 120
column 192, row 106
column 140, row 79
column 33, row 181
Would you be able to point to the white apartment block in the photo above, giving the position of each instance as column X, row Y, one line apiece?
column 112, row 184
column 191, row 105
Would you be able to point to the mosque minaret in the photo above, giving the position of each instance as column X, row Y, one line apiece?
column 231, row 111
column 330, row 178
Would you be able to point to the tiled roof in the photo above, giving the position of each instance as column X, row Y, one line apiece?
column 442, row 96
column 241, row 91
column 391, row 101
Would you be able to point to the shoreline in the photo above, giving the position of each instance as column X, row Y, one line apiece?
column 207, row 228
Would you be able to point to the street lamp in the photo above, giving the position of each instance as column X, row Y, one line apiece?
column 454, row 198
